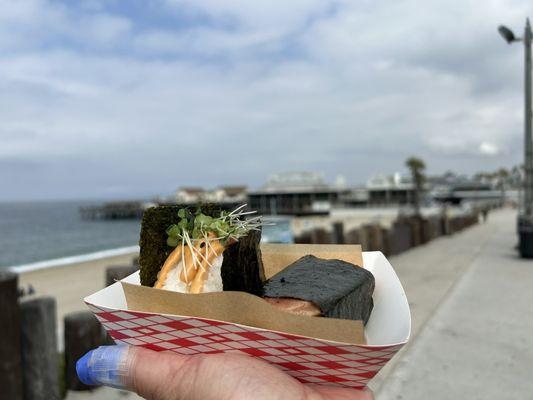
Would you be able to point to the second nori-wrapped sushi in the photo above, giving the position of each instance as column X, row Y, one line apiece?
column 339, row 289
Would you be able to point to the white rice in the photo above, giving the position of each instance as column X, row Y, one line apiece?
column 213, row 282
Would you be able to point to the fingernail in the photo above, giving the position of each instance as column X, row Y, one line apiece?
column 106, row 365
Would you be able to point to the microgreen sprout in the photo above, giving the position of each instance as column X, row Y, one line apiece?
column 227, row 227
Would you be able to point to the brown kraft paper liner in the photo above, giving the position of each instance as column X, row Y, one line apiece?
column 246, row 309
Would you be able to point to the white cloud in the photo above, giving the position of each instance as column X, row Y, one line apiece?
column 258, row 87
column 104, row 30
column 258, row 15
column 488, row 149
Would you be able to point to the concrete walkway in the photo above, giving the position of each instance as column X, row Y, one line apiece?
column 472, row 306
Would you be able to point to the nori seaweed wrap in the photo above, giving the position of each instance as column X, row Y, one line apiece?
column 339, row 289
column 242, row 268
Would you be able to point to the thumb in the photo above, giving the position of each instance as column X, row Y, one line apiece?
column 136, row 369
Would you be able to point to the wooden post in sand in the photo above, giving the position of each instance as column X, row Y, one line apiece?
column 83, row 332
column 338, row 233
column 10, row 356
column 320, row 236
column 39, row 348
column 118, row 272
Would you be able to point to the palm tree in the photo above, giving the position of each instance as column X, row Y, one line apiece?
column 417, row 167
column 516, row 176
column 503, row 176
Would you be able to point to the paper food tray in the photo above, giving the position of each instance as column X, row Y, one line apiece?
column 308, row 359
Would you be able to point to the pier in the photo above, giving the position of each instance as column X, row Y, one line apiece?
column 135, row 209
column 114, row 210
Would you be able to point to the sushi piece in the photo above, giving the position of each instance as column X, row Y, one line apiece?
column 336, row 288
column 202, row 251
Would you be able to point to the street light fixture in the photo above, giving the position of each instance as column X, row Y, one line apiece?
column 525, row 219
column 507, row 34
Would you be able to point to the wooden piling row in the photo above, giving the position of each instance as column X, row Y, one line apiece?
column 29, row 361
column 405, row 233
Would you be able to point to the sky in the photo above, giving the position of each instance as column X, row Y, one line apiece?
column 128, row 99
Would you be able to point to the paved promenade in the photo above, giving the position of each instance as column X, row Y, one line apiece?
column 472, row 306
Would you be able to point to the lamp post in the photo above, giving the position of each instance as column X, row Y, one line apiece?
column 525, row 219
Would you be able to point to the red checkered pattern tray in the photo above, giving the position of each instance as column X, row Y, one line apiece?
column 308, row 360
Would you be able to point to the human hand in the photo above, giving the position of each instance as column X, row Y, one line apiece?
column 170, row 376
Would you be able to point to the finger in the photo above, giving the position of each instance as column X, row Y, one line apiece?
column 156, row 375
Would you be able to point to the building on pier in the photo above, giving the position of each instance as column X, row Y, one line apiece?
column 297, row 193
column 220, row 195
column 384, row 190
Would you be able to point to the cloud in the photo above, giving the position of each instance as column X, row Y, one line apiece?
column 260, row 15
column 142, row 100
column 103, row 30
column 488, row 149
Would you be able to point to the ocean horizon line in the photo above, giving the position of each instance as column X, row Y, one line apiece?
column 75, row 259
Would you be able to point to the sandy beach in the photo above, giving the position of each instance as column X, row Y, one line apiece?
column 69, row 284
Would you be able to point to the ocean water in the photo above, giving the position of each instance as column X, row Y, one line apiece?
column 39, row 231
column 43, row 234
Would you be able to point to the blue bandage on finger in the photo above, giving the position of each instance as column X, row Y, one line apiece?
column 106, row 365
